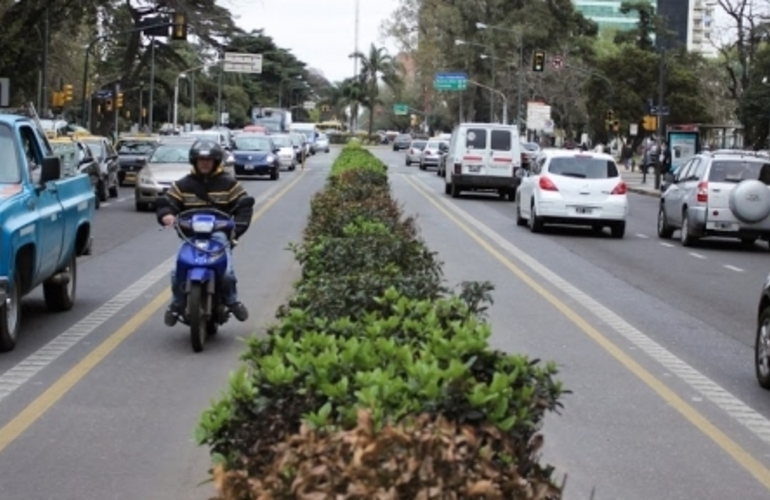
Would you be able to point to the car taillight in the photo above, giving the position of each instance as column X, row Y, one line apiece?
column 621, row 188
column 458, row 168
column 523, row 158
column 547, row 184
column 703, row 192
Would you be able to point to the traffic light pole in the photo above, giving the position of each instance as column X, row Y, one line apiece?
column 661, row 130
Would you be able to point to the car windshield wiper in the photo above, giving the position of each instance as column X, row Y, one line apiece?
column 573, row 174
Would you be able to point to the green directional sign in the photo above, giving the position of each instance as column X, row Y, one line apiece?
column 450, row 81
column 401, row 109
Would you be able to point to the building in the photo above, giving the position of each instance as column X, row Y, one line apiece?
column 690, row 21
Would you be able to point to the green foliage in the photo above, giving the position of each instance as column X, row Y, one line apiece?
column 754, row 104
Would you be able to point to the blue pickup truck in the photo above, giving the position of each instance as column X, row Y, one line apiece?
column 45, row 224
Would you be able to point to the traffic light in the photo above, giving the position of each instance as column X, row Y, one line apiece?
column 119, row 102
column 538, row 61
column 414, row 120
column 108, row 105
column 179, row 31
column 68, row 93
column 55, row 100
column 610, row 115
column 650, row 123
column 616, row 125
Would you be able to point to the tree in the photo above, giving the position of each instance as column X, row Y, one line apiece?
column 754, row 103
column 376, row 66
column 646, row 27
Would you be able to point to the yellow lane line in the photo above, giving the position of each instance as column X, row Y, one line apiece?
column 738, row 453
column 35, row 410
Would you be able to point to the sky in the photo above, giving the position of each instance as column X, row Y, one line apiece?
column 319, row 32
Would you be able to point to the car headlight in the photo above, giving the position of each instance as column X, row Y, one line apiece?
column 146, row 180
column 270, row 158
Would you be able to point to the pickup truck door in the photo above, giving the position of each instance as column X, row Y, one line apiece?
column 49, row 226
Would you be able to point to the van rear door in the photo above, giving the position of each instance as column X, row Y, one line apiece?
column 475, row 152
column 502, row 154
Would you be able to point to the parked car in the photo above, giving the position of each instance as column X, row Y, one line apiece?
column 574, row 188
column 721, row 193
column 483, row 157
column 107, row 157
column 45, row 224
column 414, row 152
column 762, row 343
column 402, row 141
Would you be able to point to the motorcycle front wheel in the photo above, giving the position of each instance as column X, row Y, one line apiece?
column 196, row 314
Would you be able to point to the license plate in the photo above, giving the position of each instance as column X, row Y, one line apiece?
column 726, row 226
column 249, row 167
column 474, row 168
column 583, row 210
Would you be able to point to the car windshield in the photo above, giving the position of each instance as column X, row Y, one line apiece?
column 404, row 138
column 9, row 161
column 171, row 153
column 739, row 170
column 253, row 144
column 298, row 138
column 135, row 147
column 583, row 167
column 418, row 144
column 97, row 148
column 432, row 145
column 323, row 137
column 282, row 141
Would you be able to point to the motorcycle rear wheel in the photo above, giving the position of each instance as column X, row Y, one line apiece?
column 196, row 314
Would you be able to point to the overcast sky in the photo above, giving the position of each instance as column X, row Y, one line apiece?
column 318, row 32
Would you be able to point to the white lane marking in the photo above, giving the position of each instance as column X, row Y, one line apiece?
column 106, row 204
column 33, row 364
column 121, row 200
column 697, row 255
column 734, row 407
column 667, row 245
column 733, row 268
column 642, row 236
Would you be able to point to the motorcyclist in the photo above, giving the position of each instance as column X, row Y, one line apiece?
column 207, row 185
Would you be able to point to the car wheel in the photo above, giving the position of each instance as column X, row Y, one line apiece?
column 114, row 193
column 142, row 207
column 618, row 230
column 274, row 175
column 520, row 221
column 447, row 188
column 665, row 231
column 684, row 233
column 535, row 222
column 407, row 162
column 61, row 296
column 455, row 190
column 762, row 349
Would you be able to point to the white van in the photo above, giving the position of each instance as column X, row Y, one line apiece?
column 483, row 157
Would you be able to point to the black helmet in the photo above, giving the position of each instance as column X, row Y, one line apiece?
column 205, row 149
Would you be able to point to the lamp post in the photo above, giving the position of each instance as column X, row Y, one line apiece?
column 491, row 94
column 182, row 75
column 521, row 63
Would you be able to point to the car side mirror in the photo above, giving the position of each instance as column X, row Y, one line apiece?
column 276, row 150
column 86, row 160
column 50, row 170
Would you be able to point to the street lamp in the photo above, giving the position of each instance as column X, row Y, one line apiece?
column 181, row 75
column 491, row 94
column 483, row 26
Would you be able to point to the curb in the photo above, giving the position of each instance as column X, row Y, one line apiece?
column 643, row 191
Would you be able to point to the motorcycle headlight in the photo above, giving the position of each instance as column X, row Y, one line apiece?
column 202, row 227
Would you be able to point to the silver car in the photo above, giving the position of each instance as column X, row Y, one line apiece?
column 431, row 155
column 322, row 143
column 285, row 151
column 168, row 163
column 719, row 193
column 414, row 151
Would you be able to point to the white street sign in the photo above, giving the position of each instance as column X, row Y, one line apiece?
column 225, row 118
column 633, row 129
column 236, row 62
column 5, row 92
column 308, row 105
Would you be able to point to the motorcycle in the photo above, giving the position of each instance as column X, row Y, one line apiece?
column 203, row 260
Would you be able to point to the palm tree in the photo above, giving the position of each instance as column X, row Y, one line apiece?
column 344, row 94
column 376, row 66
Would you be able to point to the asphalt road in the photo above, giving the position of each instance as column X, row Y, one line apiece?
column 655, row 340
column 102, row 401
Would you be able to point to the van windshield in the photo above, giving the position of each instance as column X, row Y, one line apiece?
column 583, row 167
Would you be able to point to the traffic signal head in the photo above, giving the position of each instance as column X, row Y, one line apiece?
column 119, row 102
column 610, row 115
column 179, row 29
column 538, row 61
column 108, row 105
column 68, row 93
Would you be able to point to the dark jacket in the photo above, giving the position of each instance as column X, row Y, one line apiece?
column 219, row 190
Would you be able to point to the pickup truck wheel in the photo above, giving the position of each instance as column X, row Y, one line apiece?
column 10, row 318
column 60, row 296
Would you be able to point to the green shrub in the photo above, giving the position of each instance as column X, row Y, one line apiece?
column 418, row 356
column 354, row 156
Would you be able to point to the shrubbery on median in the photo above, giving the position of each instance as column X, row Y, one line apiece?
column 376, row 378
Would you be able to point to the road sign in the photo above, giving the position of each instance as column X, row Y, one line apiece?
column 557, row 62
column 224, row 119
column 633, row 129
column 660, row 110
column 401, row 109
column 236, row 62
column 450, row 81
column 5, row 92
column 308, row 105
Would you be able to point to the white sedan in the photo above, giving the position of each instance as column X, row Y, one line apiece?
column 573, row 188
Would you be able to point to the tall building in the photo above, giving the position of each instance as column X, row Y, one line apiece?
column 690, row 21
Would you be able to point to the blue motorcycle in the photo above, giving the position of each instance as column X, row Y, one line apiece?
column 203, row 259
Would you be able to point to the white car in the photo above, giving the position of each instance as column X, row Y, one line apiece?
column 573, row 188
column 322, row 143
column 285, row 151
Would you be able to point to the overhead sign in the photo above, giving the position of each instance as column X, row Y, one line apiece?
column 451, row 81
column 401, row 109
column 236, row 62
column 308, row 105
column 660, row 110
column 5, row 92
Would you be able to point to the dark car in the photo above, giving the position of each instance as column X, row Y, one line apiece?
column 402, row 142
column 132, row 156
column 256, row 154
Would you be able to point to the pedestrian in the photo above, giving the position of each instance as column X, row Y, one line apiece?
column 664, row 159
column 625, row 155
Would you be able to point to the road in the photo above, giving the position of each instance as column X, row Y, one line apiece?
column 654, row 340
column 102, row 401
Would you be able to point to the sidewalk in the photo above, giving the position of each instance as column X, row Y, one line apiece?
column 634, row 182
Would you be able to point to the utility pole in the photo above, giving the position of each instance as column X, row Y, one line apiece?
column 660, row 114
column 219, row 89
column 355, row 60
column 150, row 120
column 44, row 77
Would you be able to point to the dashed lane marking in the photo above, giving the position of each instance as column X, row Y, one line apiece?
column 642, row 236
column 20, row 374
column 667, row 245
column 727, row 402
column 697, row 255
column 733, row 268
